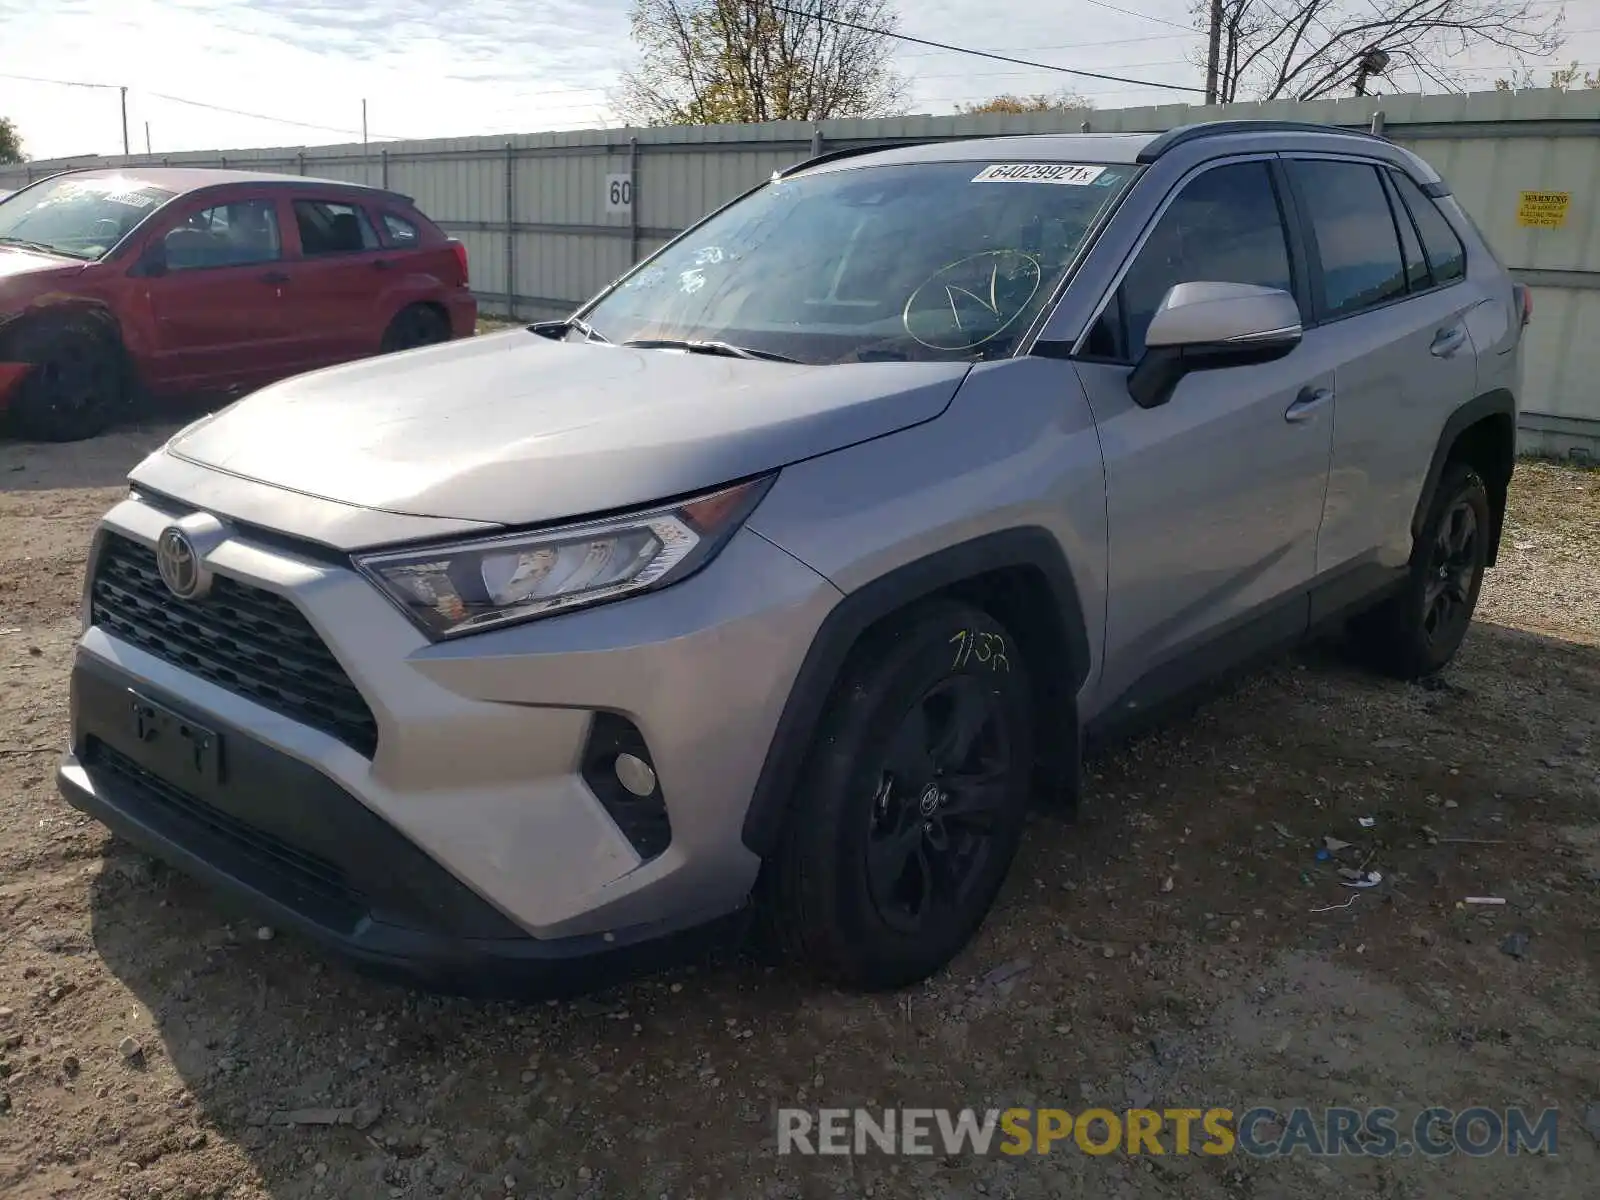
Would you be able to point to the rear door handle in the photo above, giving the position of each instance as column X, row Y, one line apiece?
column 1447, row 341
column 381, row 264
column 274, row 277
column 1306, row 404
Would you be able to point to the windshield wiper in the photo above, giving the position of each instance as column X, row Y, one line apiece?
column 694, row 346
column 42, row 247
column 559, row 329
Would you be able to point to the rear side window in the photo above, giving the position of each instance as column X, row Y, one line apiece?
column 1446, row 255
column 398, row 231
column 332, row 228
column 1225, row 226
column 1355, row 234
column 1418, row 277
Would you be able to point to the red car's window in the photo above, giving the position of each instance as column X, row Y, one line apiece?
column 399, row 232
column 225, row 235
column 327, row 227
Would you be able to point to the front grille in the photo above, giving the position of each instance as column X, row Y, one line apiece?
column 250, row 641
column 307, row 875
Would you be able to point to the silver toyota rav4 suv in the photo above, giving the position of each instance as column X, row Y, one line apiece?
column 778, row 579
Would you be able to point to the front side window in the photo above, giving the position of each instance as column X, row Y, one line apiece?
column 929, row 261
column 1225, row 226
column 1446, row 255
column 329, row 228
column 1355, row 234
column 225, row 235
column 77, row 216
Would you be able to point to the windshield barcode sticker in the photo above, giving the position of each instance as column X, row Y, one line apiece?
column 1074, row 174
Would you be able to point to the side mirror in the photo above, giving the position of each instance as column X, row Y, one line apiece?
column 1202, row 326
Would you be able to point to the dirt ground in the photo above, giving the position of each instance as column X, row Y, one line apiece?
column 1180, row 945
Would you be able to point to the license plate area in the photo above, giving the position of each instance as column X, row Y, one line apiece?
column 172, row 746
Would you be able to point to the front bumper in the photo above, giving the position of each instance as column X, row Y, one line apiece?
column 308, row 856
column 470, row 837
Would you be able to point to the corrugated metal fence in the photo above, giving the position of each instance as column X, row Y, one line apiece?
column 550, row 218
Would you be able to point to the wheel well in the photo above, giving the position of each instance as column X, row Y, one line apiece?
column 1019, row 577
column 95, row 316
column 1488, row 446
column 432, row 306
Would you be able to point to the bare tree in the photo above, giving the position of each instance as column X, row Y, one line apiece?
column 703, row 61
column 1311, row 49
column 1038, row 102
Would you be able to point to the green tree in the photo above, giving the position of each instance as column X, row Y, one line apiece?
column 10, row 142
column 709, row 61
column 1570, row 78
column 1038, row 102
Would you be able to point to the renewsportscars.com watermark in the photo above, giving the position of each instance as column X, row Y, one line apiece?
column 1259, row 1132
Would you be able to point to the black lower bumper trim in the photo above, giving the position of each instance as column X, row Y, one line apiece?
column 310, row 857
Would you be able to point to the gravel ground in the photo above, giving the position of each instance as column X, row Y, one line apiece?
column 1178, row 945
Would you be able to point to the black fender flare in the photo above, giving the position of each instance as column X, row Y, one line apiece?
column 1498, row 403
column 942, row 572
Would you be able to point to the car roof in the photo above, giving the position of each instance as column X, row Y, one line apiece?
column 182, row 180
column 1130, row 148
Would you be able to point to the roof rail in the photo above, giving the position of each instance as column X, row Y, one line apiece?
column 849, row 152
column 1173, row 138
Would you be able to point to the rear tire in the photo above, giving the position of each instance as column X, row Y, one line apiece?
column 77, row 384
column 911, row 804
column 1417, row 631
column 418, row 325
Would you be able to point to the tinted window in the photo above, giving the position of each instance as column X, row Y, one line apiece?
column 913, row 261
column 1418, row 276
column 225, row 235
column 1224, row 227
column 82, row 217
column 1355, row 233
column 333, row 228
column 399, row 231
column 1445, row 253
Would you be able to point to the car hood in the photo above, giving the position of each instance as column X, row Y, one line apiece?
column 513, row 428
column 30, row 266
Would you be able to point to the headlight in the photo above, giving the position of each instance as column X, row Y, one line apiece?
column 466, row 587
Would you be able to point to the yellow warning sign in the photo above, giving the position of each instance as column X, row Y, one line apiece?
column 1543, row 210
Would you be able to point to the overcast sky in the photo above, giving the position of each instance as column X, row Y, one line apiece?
column 499, row 66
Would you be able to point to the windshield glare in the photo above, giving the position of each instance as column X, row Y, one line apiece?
column 83, row 218
column 931, row 261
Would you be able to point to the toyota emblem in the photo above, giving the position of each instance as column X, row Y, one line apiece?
column 180, row 566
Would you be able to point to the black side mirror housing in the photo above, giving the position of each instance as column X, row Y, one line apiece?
column 153, row 262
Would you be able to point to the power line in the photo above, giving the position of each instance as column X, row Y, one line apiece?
column 1021, row 62
column 1143, row 16
column 237, row 112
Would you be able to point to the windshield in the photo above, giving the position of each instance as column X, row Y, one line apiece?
column 933, row 261
column 82, row 218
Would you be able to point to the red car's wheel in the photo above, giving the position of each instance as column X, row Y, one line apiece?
column 416, row 326
column 76, row 386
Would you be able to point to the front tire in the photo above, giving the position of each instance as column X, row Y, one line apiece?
column 911, row 804
column 77, row 384
column 1418, row 630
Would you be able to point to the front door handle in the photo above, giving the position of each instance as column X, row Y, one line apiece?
column 274, row 277
column 1447, row 341
column 1306, row 404
column 381, row 264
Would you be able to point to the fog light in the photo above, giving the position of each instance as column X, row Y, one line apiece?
column 635, row 774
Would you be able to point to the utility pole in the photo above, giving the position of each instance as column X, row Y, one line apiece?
column 1213, row 50
column 366, row 175
column 147, row 137
column 125, row 150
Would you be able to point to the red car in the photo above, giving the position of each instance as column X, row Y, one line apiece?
column 116, row 284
